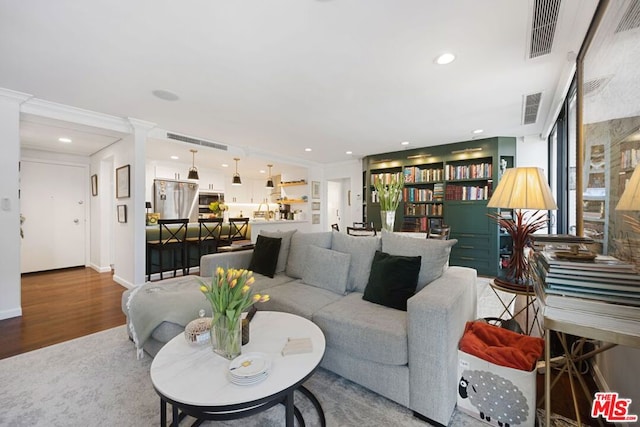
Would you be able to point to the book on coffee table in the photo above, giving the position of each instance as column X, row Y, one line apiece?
column 297, row 346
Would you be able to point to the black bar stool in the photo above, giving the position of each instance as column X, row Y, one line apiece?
column 172, row 234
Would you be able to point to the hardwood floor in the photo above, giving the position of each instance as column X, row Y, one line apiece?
column 65, row 304
column 61, row 305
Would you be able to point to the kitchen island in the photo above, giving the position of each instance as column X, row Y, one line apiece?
column 277, row 225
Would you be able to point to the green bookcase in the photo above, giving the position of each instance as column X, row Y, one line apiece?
column 449, row 183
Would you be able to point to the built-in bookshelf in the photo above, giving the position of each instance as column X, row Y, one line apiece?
column 448, row 184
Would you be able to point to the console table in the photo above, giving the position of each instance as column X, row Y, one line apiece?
column 609, row 329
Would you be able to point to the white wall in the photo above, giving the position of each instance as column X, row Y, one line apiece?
column 532, row 151
column 10, row 303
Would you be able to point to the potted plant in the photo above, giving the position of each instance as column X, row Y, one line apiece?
column 218, row 208
column 389, row 195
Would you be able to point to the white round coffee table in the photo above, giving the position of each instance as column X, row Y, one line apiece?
column 194, row 380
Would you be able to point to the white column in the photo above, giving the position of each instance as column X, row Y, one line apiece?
column 10, row 304
column 140, row 133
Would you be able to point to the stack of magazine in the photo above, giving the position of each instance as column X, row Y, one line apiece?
column 602, row 285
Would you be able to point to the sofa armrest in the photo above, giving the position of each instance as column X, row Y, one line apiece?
column 436, row 319
column 238, row 259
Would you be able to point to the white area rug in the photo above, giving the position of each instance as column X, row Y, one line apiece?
column 96, row 380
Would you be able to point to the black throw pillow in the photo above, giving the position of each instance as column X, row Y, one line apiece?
column 265, row 255
column 392, row 280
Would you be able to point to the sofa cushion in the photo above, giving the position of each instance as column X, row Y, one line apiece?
column 392, row 280
column 263, row 283
column 297, row 298
column 434, row 253
column 265, row 255
column 327, row 269
column 362, row 250
column 284, row 246
column 365, row 330
column 298, row 250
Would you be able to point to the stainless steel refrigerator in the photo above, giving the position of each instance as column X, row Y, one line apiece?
column 176, row 199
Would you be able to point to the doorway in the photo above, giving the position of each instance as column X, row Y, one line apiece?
column 339, row 202
column 53, row 203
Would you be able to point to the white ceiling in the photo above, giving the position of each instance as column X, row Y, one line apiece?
column 271, row 78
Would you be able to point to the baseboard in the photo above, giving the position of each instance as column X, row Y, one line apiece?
column 8, row 314
column 119, row 280
column 99, row 269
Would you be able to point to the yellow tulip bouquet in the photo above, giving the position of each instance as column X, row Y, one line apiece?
column 229, row 294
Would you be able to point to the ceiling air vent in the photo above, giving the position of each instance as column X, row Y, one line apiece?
column 196, row 141
column 631, row 17
column 543, row 27
column 593, row 86
column 531, row 107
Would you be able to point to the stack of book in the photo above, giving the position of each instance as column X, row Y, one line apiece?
column 604, row 285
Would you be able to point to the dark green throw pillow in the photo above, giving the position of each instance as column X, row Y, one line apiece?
column 265, row 255
column 392, row 280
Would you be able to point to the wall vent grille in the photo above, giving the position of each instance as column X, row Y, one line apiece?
column 631, row 17
column 196, row 141
column 531, row 108
column 543, row 27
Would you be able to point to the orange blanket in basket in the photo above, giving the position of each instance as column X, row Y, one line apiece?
column 501, row 346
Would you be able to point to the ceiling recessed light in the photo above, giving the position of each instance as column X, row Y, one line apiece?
column 445, row 58
column 307, row 149
column 65, row 140
column 478, row 131
column 262, row 171
column 404, row 143
column 175, row 157
column 225, row 165
column 165, row 95
column 349, row 152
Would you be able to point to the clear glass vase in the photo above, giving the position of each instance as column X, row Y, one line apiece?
column 226, row 337
column 388, row 220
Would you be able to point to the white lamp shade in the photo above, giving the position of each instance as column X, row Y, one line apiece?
column 523, row 188
column 630, row 199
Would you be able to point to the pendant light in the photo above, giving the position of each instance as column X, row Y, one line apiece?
column 270, row 180
column 193, row 171
column 236, row 176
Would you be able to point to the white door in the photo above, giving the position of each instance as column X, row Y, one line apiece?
column 52, row 200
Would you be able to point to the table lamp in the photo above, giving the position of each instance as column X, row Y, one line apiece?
column 521, row 188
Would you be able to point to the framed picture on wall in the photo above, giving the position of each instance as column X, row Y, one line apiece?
column 122, row 213
column 123, row 188
column 315, row 218
column 315, row 206
column 315, row 189
column 94, row 185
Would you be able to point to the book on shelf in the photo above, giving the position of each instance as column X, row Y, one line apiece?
column 631, row 296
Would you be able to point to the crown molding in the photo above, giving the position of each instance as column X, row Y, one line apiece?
column 14, row 96
column 141, row 124
column 53, row 110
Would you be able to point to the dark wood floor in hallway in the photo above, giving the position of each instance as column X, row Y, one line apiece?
column 61, row 305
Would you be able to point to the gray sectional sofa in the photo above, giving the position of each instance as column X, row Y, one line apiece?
column 408, row 356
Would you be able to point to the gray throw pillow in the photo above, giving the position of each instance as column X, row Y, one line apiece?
column 327, row 269
column 362, row 250
column 298, row 250
column 434, row 253
column 284, row 246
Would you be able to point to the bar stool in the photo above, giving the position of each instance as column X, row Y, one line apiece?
column 238, row 228
column 207, row 240
column 172, row 235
